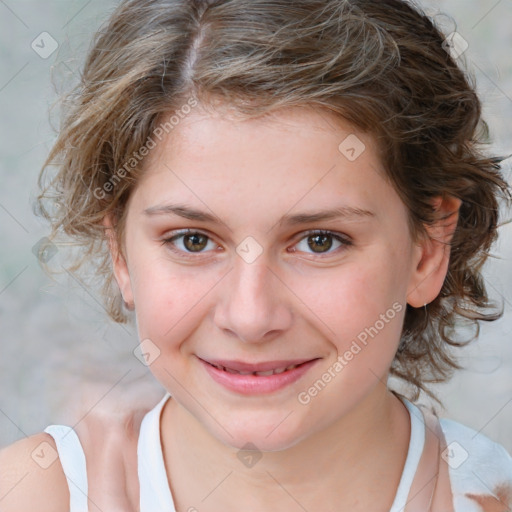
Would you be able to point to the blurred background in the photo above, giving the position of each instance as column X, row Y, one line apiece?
column 57, row 346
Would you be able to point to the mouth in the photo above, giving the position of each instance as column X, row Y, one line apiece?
column 255, row 378
column 262, row 369
column 264, row 373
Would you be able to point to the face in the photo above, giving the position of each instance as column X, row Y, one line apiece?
column 231, row 260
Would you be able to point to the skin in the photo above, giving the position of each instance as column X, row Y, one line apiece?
column 345, row 449
column 108, row 430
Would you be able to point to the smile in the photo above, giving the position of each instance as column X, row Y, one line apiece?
column 259, row 374
column 262, row 378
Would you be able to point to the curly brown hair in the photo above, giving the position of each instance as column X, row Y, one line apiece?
column 382, row 65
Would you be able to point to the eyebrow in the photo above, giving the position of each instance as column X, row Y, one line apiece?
column 186, row 212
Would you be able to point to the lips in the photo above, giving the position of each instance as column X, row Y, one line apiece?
column 257, row 378
column 262, row 369
column 259, row 374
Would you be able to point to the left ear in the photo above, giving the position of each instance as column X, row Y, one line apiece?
column 433, row 253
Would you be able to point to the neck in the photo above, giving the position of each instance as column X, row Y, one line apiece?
column 352, row 465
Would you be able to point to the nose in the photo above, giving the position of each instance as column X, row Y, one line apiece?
column 254, row 303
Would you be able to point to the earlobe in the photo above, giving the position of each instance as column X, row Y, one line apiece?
column 433, row 254
column 119, row 265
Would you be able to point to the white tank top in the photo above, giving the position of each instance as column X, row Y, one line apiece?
column 155, row 494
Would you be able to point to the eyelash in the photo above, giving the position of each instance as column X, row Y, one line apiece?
column 169, row 241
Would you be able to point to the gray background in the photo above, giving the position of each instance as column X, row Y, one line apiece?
column 55, row 340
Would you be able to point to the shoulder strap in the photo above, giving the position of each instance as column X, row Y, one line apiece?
column 431, row 488
column 72, row 460
column 109, row 434
column 110, row 446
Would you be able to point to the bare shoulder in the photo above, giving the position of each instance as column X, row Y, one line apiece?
column 30, row 474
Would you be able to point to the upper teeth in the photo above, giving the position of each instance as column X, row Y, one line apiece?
column 261, row 374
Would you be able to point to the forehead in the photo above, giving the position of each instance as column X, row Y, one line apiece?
column 293, row 158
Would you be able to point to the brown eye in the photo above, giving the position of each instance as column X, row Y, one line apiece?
column 188, row 242
column 321, row 242
column 195, row 242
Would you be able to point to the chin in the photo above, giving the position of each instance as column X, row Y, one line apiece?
column 260, row 435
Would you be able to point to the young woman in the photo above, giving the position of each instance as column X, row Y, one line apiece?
column 292, row 200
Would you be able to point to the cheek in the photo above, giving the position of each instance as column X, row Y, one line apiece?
column 169, row 300
column 361, row 301
column 360, row 306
